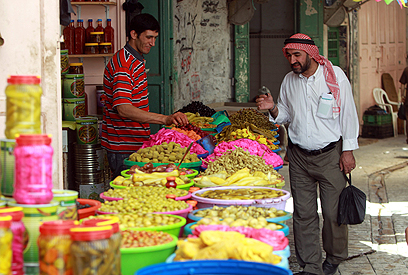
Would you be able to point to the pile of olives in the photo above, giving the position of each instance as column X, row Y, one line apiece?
column 141, row 220
column 241, row 194
column 145, row 191
column 197, row 107
column 163, row 153
column 147, row 204
column 256, row 223
column 243, row 212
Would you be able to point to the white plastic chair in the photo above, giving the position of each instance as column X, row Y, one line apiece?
column 381, row 99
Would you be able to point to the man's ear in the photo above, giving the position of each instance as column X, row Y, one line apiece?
column 133, row 34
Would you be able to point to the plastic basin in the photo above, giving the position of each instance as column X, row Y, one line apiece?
column 281, row 219
column 279, row 203
column 102, row 196
column 192, row 165
column 132, row 259
column 220, row 267
column 182, row 213
column 90, row 211
column 189, row 231
column 181, row 186
column 190, row 176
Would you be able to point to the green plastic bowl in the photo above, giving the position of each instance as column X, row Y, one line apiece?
column 190, row 176
column 132, row 259
column 182, row 186
column 192, row 165
column 173, row 229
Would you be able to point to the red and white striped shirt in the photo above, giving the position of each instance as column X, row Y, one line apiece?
column 124, row 82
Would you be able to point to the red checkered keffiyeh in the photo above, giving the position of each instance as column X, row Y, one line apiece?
column 303, row 42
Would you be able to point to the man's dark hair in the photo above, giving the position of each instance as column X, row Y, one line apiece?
column 143, row 22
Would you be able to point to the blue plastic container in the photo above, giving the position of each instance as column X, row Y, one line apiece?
column 209, row 267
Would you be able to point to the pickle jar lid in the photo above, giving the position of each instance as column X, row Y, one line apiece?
column 96, row 33
column 91, row 44
column 113, row 221
column 33, row 139
column 23, row 79
column 5, row 221
column 105, row 44
column 90, row 233
column 16, row 213
column 59, row 227
column 76, row 64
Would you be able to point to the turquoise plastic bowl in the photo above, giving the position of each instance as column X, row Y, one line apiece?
column 132, row 259
column 189, row 231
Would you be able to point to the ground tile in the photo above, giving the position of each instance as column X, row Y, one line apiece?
column 357, row 269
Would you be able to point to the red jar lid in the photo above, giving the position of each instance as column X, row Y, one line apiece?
column 33, row 139
column 114, row 222
column 91, row 233
column 5, row 222
column 23, row 79
column 16, row 213
column 60, row 227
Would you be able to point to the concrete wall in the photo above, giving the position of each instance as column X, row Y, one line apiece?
column 31, row 47
column 202, row 52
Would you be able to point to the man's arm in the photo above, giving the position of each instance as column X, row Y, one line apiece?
column 131, row 112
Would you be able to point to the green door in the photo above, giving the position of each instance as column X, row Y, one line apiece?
column 333, row 45
column 158, row 61
column 309, row 15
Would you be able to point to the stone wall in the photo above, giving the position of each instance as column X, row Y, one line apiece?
column 202, row 52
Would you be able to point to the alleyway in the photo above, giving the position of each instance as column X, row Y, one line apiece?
column 377, row 246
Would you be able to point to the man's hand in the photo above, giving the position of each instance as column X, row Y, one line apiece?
column 265, row 102
column 178, row 118
column 347, row 162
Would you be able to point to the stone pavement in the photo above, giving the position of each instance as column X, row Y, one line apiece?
column 377, row 246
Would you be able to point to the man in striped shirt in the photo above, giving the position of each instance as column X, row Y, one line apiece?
column 126, row 115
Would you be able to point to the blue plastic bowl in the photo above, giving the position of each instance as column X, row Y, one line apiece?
column 220, row 267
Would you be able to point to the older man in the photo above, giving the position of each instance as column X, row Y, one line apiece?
column 317, row 100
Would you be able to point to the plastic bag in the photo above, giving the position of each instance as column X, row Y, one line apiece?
column 401, row 112
column 352, row 205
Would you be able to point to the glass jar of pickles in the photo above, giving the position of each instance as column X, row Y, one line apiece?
column 105, row 47
column 23, row 105
column 6, row 239
column 76, row 68
column 19, row 230
column 54, row 245
column 96, row 37
column 115, row 240
column 91, row 251
column 91, row 48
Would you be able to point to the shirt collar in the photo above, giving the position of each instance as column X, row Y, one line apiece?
column 135, row 53
column 317, row 74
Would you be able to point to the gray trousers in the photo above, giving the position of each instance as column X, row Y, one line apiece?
column 305, row 172
column 116, row 163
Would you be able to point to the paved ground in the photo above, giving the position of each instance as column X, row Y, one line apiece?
column 377, row 246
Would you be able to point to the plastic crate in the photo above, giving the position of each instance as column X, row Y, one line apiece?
column 377, row 120
column 382, row 131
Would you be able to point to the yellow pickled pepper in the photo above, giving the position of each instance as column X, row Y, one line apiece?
column 6, row 239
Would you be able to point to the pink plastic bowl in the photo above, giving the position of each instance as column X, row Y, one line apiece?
column 182, row 213
column 102, row 196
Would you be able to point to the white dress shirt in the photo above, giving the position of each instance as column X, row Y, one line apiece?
column 298, row 104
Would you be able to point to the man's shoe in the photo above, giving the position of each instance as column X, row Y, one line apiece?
column 304, row 273
column 329, row 269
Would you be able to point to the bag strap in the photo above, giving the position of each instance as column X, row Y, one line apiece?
column 348, row 178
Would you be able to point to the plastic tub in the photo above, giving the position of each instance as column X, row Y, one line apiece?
column 189, row 231
column 280, row 184
column 190, row 176
column 102, row 195
column 90, row 211
column 174, row 229
column 281, row 219
column 279, row 203
column 132, row 259
column 192, row 165
column 182, row 213
column 181, row 186
column 220, row 267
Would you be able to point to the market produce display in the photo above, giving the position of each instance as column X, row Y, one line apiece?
column 132, row 238
column 149, row 168
column 163, row 153
column 241, row 194
column 257, row 223
column 241, row 178
column 190, row 133
column 254, row 117
column 144, row 191
column 156, row 180
column 166, row 136
column 141, row 220
column 232, row 161
column 197, row 107
column 225, row 245
column 242, row 212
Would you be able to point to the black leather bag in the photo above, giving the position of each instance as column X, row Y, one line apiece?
column 352, row 205
column 401, row 112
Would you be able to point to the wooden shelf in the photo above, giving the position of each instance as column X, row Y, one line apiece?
column 93, row 3
column 91, row 55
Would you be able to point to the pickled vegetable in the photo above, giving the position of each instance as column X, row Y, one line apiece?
column 243, row 212
column 144, row 191
column 241, row 194
column 6, row 239
column 234, row 221
column 144, row 238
